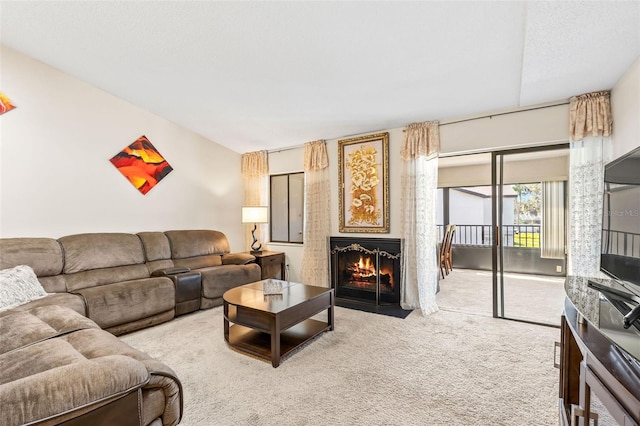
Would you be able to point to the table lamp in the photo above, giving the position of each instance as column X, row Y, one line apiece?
column 255, row 215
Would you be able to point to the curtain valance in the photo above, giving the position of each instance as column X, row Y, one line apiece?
column 255, row 177
column 590, row 112
column 315, row 155
column 255, row 164
column 421, row 140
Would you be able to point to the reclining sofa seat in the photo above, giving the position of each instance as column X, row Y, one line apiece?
column 59, row 366
column 45, row 257
column 108, row 270
column 208, row 252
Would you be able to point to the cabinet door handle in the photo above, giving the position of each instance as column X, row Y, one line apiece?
column 556, row 345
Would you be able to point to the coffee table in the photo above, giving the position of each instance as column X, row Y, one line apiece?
column 271, row 326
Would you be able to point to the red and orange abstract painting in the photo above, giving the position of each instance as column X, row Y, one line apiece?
column 5, row 104
column 142, row 164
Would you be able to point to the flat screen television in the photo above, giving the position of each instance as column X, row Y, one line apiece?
column 620, row 254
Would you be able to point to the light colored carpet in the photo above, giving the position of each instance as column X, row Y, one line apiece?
column 527, row 297
column 444, row 369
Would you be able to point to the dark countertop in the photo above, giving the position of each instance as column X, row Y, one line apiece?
column 595, row 308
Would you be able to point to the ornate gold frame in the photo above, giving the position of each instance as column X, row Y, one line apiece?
column 359, row 199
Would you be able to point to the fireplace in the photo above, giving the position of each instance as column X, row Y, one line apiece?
column 366, row 270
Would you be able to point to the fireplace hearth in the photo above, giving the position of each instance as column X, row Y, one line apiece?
column 366, row 270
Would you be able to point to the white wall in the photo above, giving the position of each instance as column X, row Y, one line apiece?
column 545, row 123
column 56, row 178
column 546, row 126
column 625, row 109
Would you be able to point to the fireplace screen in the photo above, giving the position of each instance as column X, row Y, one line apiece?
column 366, row 269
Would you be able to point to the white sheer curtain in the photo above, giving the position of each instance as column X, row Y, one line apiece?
column 317, row 218
column 586, row 174
column 552, row 238
column 255, row 177
column 420, row 263
column 590, row 127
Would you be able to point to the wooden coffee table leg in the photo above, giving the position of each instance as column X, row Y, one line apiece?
column 330, row 317
column 275, row 341
column 226, row 321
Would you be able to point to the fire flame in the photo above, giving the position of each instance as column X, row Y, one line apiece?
column 365, row 268
column 362, row 269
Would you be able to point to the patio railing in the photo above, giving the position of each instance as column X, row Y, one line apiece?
column 614, row 242
column 621, row 243
column 482, row 235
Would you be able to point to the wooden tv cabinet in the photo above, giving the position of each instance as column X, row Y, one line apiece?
column 591, row 363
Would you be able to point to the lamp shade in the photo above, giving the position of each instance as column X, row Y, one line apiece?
column 256, row 214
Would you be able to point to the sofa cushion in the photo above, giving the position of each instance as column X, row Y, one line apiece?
column 118, row 303
column 237, row 258
column 54, row 283
column 157, row 265
column 191, row 243
column 141, row 323
column 84, row 252
column 22, row 328
column 217, row 280
column 199, row 262
column 163, row 392
column 74, row 302
column 52, row 377
column 156, row 245
column 157, row 250
column 44, row 255
column 19, row 285
column 71, row 366
column 102, row 276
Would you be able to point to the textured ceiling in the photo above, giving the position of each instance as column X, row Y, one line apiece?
column 267, row 75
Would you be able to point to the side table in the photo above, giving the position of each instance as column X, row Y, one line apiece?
column 272, row 264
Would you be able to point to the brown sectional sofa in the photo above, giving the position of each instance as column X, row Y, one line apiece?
column 59, row 358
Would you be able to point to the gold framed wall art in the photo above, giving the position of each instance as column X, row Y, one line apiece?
column 364, row 183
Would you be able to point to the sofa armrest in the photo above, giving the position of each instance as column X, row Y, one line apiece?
column 75, row 387
column 169, row 271
column 237, row 258
column 164, row 378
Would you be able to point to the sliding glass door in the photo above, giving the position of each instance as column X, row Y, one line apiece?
column 528, row 223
